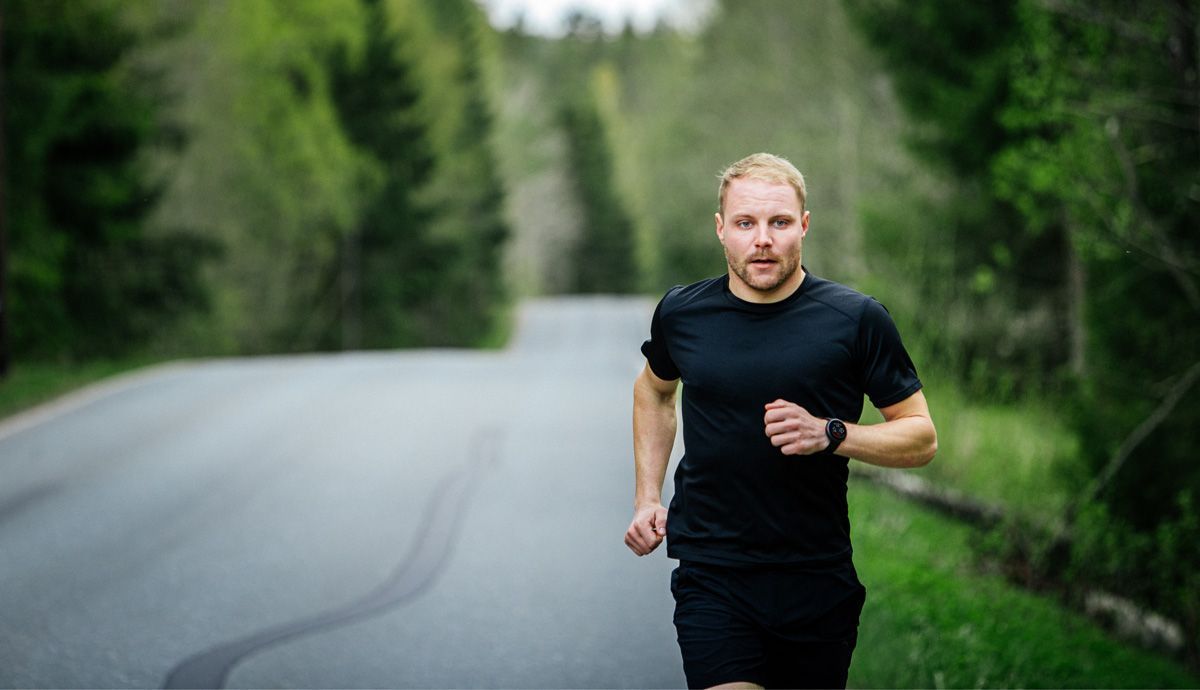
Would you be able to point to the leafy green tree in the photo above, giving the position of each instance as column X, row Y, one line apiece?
column 1088, row 132
column 86, row 278
column 339, row 150
column 1103, row 144
column 1012, row 319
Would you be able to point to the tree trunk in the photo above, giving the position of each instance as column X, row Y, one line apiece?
column 351, row 289
column 1076, row 307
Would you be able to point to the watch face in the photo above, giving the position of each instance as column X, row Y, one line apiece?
column 837, row 429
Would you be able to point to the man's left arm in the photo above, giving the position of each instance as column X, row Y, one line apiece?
column 905, row 438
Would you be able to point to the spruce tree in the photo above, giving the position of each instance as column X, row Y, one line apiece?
column 388, row 263
column 85, row 277
column 604, row 255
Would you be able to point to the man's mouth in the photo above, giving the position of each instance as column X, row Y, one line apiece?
column 762, row 262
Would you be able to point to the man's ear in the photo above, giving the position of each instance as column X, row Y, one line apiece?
column 720, row 227
column 804, row 224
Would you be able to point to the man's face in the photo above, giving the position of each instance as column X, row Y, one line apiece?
column 762, row 231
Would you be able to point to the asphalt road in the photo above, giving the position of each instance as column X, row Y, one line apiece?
column 411, row 519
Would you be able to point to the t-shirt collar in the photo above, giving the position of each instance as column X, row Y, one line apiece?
column 808, row 280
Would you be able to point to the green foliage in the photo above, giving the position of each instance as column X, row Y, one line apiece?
column 1102, row 552
column 932, row 620
column 1079, row 202
column 1102, row 145
column 1145, row 565
column 36, row 382
column 1011, row 321
column 313, row 175
column 558, row 148
column 339, row 152
column 604, row 255
column 387, row 265
column 1022, row 455
column 267, row 170
column 954, row 100
column 86, row 278
column 469, row 296
column 1084, row 165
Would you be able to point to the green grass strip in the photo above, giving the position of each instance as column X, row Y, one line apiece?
column 31, row 383
column 933, row 620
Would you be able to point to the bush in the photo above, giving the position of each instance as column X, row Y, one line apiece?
column 1159, row 569
column 1101, row 552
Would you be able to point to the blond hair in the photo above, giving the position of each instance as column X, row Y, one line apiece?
column 762, row 166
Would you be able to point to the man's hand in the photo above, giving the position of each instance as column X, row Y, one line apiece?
column 647, row 530
column 793, row 430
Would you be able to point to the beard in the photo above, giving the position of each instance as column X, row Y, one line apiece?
column 764, row 281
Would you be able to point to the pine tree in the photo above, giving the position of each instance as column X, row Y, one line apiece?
column 85, row 278
column 604, row 256
column 464, row 305
column 388, row 262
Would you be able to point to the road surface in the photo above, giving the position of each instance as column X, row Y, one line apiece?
column 402, row 519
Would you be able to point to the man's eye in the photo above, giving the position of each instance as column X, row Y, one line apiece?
column 745, row 224
column 781, row 223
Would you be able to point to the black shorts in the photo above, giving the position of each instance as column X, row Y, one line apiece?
column 778, row 629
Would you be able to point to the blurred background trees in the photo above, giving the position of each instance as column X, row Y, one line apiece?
column 604, row 259
column 86, row 277
column 1018, row 181
column 244, row 177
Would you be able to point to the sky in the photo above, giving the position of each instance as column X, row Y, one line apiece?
column 548, row 17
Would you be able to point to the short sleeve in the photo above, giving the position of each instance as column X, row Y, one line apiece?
column 888, row 373
column 655, row 349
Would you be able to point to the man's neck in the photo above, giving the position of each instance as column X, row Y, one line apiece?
column 748, row 294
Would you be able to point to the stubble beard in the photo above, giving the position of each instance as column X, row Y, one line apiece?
column 785, row 268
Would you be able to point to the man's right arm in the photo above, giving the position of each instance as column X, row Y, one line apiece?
column 653, row 436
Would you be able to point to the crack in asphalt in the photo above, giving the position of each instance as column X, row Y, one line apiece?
column 416, row 572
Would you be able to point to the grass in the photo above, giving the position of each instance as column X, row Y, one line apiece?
column 31, row 383
column 1016, row 455
column 934, row 620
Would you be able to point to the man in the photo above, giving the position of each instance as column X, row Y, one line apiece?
column 775, row 362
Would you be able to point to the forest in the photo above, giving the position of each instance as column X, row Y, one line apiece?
column 1018, row 181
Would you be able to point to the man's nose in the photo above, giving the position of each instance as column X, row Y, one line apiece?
column 762, row 236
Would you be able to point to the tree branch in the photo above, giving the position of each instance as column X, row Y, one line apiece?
column 1083, row 12
column 1100, row 207
column 1167, row 253
column 1135, row 439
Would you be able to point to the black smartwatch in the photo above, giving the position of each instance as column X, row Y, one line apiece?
column 835, row 431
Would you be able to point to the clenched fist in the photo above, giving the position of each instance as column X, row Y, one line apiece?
column 648, row 529
column 793, row 430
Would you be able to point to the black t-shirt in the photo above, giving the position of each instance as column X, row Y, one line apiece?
column 739, row 501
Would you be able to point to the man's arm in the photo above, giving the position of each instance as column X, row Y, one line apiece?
column 906, row 437
column 653, row 435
